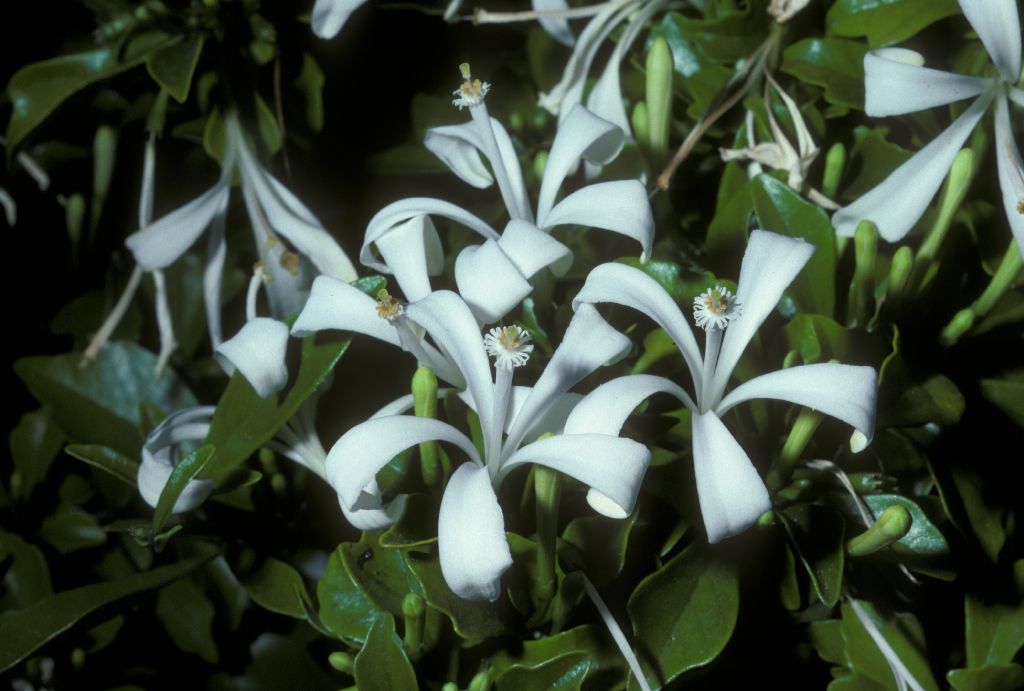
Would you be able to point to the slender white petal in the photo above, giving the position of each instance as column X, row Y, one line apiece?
column 413, row 253
column 530, row 249
column 589, row 343
column 581, row 135
column 258, row 352
column 370, row 513
column 459, row 147
column 846, row 392
column 471, row 542
column 287, row 284
column 551, row 422
column 330, row 15
column 998, row 26
column 1016, row 95
column 613, row 466
column 189, row 424
column 401, row 211
column 148, row 182
column 165, row 325
column 557, row 27
column 334, row 304
column 896, row 203
column 1011, row 172
column 731, row 493
column 621, row 206
column 521, row 207
column 213, row 270
column 162, row 242
column 605, row 409
column 489, row 282
column 892, row 87
column 354, row 460
column 770, row 264
column 447, row 319
column 624, row 285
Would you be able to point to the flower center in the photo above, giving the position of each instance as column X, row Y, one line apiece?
column 387, row 306
column 1020, row 206
column 509, row 345
column 715, row 308
column 471, row 92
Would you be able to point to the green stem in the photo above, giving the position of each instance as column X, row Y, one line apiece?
column 424, row 392
column 548, row 488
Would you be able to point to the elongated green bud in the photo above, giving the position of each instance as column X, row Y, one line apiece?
column 450, row 686
column 104, row 150
column 960, row 324
column 899, row 274
column 659, row 94
column 413, row 609
column 890, row 527
column 340, row 661
column 548, row 489
column 953, row 193
column 835, row 161
column 424, row 396
column 865, row 247
column 1002, row 280
column 641, row 127
column 799, row 436
column 540, row 162
column 480, row 682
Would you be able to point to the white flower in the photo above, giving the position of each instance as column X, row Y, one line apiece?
column 329, row 16
column 472, row 547
column 897, row 83
column 731, row 493
column 494, row 277
column 509, row 346
column 160, row 455
column 715, row 308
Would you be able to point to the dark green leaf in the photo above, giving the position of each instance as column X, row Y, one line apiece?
column 818, row 533
column 835, row 64
column 1007, row 393
column 71, row 529
column 24, row 631
column 310, row 84
column 909, row 398
column 602, row 543
column 173, row 67
column 345, row 607
column 886, row 21
column 27, row 577
column 565, row 673
column 995, row 630
column 187, row 615
column 278, row 587
column 988, row 678
column 106, row 459
column 902, row 633
column 817, row 338
column 924, row 539
column 417, row 525
column 34, row 443
column 184, row 472
column 382, row 664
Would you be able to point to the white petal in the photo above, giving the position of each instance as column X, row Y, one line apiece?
column 1011, row 172
column 287, row 287
column 530, row 249
column 513, row 172
column 334, row 304
column 605, row 409
column 552, row 422
column 459, row 147
column 162, row 242
column 998, row 26
column 448, row 320
column 893, row 87
column 589, row 343
column 258, row 352
column 401, row 211
column 471, row 541
column 189, row 424
column 489, row 282
column 557, row 27
column 330, row 15
column 581, row 135
column 624, row 285
column 621, row 206
column 896, row 203
column 370, row 513
column 413, row 253
column 213, row 271
column 770, row 264
column 613, row 466
column 354, row 460
column 731, row 493
column 1016, row 95
column 846, row 392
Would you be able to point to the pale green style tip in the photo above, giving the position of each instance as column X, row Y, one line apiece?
column 894, row 523
column 340, row 661
column 466, row 72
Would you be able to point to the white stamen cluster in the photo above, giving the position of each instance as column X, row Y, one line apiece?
column 388, row 308
column 509, row 345
column 715, row 308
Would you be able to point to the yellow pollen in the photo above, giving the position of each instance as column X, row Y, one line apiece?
column 290, row 263
column 387, row 306
column 510, row 338
column 1020, row 206
column 716, row 302
column 472, row 89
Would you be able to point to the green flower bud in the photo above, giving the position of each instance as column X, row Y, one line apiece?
column 899, row 273
column 891, row 526
column 480, row 682
column 950, row 199
column 835, row 161
column 413, row 609
column 340, row 661
column 639, row 120
column 960, row 324
column 865, row 247
column 659, row 93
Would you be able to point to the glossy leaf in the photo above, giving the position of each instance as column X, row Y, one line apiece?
column 187, row 616
column 817, row 338
column 1007, row 393
column 346, row 609
column 106, row 459
column 1008, row 677
column 884, row 22
column 924, row 539
column 174, row 66
column 818, row 535
column 995, row 630
column 34, row 442
column 26, row 578
column 278, row 587
column 184, row 472
column 910, row 397
column 835, row 64
column 382, row 663
column 71, row 529
column 904, row 635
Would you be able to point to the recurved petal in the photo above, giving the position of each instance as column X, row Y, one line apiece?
column 189, row 424
column 846, row 392
column 330, row 15
column 580, row 135
column 605, row 409
column 489, row 282
column 1011, row 172
column 530, row 249
column 732, row 495
column 354, row 460
column 369, row 513
column 770, row 264
column 624, row 285
column 412, row 251
column 161, row 243
column 612, row 466
column 621, row 206
column 471, row 540
column 459, row 147
column 998, row 26
column 557, row 27
column 896, row 203
column 334, row 304
column 258, row 352
column 893, row 87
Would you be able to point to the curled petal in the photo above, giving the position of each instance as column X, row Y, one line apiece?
column 187, row 425
column 895, row 204
column 770, row 264
column 162, row 242
column 732, row 495
column 459, row 147
column 892, row 87
column 334, row 304
column 1011, row 172
column 489, row 282
column 621, row 206
column 330, row 15
column 258, row 352
column 612, row 466
column 846, row 392
column 530, row 249
column 998, row 26
column 413, row 253
column 369, row 513
column 354, row 460
column 557, row 27
column 471, row 540
column 213, row 270
column 605, row 409
column 624, row 285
